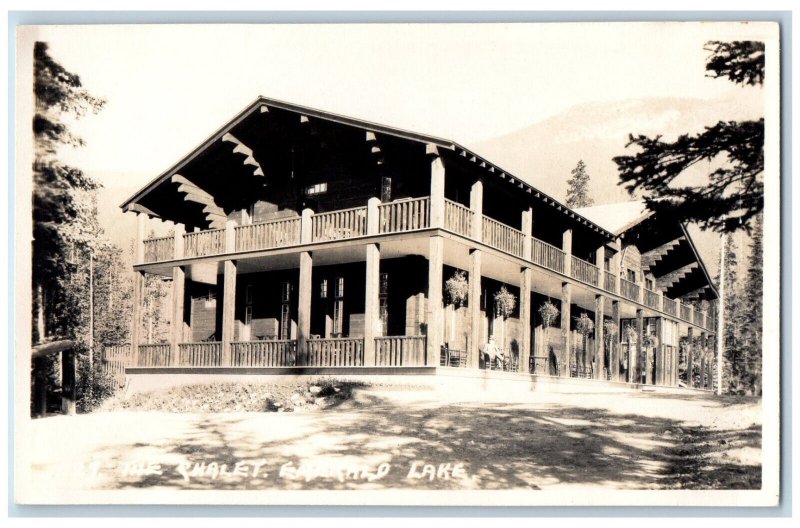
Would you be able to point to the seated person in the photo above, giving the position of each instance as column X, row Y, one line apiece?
column 491, row 353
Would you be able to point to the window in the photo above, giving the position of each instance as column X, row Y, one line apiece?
column 631, row 275
column 248, row 294
column 323, row 289
column 248, row 313
column 319, row 188
column 338, row 308
column 339, row 287
column 386, row 189
column 649, row 284
column 286, row 292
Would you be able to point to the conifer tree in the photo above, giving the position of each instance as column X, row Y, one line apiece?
column 578, row 187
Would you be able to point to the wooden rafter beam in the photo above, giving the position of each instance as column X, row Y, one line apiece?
column 243, row 150
column 650, row 258
column 215, row 215
column 670, row 279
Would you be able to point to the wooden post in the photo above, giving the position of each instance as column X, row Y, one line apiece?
column 566, row 247
column 435, row 315
column 437, row 187
column 372, row 319
column 566, row 334
column 527, row 231
column 476, row 206
column 600, row 262
column 178, row 299
column 305, row 226
column 474, row 305
column 179, row 231
column 68, row 386
column 635, row 367
column 136, row 323
column 40, row 386
column 615, row 344
column 141, row 234
column 690, row 360
column 659, row 378
column 525, row 318
column 304, row 306
column 373, row 216
column 599, row 334
column 228, row 309
column 616, row 267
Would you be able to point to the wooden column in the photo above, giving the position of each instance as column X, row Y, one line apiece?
column 599, row 333
column 474, row 306
column 304, row 306
column 476, row 206
column 435, row 313
column 600, row 262
column 659, row 353
column 525, row 319
column 228, row 308
column 136, row 322
column 635, row 363
column 615, row 344
column 566, row 247
column 437, row 187
column 305, row 226
column 178, row 299
column 372, row 319
column 141, row 234
column 616, row 267
column 527, row 231
column 566, row 335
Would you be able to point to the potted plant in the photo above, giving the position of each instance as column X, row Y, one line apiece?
column 548, row 314
column 504, row 302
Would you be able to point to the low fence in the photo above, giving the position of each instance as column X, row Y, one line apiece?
column 404, row 215
column 272, row 353
column 335, row 352
column 400, row 351
column 339, row 225
column 267, row 235
column 154, row 355
column 114, row 359
column 205, row 354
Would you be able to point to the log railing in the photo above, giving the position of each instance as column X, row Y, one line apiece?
column 458, row 218
column 585, row 272
column 651, row 299
column 335, row 352
column 547, row 255
column 204, row 354
column 339, row 225
column 400, row 351
column 502, row 237
column 203, row 243
column 629, row 290
column 154, row 355
column 270, row 353
column 159, row 249
column 404, row 215
column 267, row 235
column 670, row 306
column 609, row 282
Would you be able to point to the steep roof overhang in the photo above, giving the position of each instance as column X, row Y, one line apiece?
column 132, row 203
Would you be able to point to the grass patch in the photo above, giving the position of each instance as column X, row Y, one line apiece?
column 241, row 397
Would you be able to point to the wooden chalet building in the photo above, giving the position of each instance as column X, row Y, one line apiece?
column 310, row 242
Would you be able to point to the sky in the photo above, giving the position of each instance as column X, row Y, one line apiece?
column 169, row 87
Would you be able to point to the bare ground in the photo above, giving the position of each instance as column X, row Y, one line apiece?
column 384, row 439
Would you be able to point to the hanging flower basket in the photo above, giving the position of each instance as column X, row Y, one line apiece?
column 548, row 312
column 649, row 341
column 631, row 335
column 457, row 288
column 505, row 302
column 584, row 324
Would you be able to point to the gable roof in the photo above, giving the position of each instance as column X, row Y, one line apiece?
column 262, row 101
column 616, row 217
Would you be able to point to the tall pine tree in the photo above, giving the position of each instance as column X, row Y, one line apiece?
column 752, row 303
column 578, row 187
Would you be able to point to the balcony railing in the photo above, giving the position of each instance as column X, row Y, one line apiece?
column 154, row 355
column 502, row 237
column 404, row 215
column 271, row 353
column 204, row 243
column 458, row 218
column 651, row 299
column 630, row 290
column 268, row 235
column 159, row 249
column 204, row 354
column 335, row 352
column 400, row 351
column 339, row 225
column 686, row 312
column 670, row 306
column 547, row 255
column 585, row 272
column 609, row 282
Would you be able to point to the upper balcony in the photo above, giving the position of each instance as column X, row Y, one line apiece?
column 402, row 216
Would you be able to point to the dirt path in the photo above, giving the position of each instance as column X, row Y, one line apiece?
column 393, row 439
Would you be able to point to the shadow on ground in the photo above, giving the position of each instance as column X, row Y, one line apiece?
column 500, row 447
